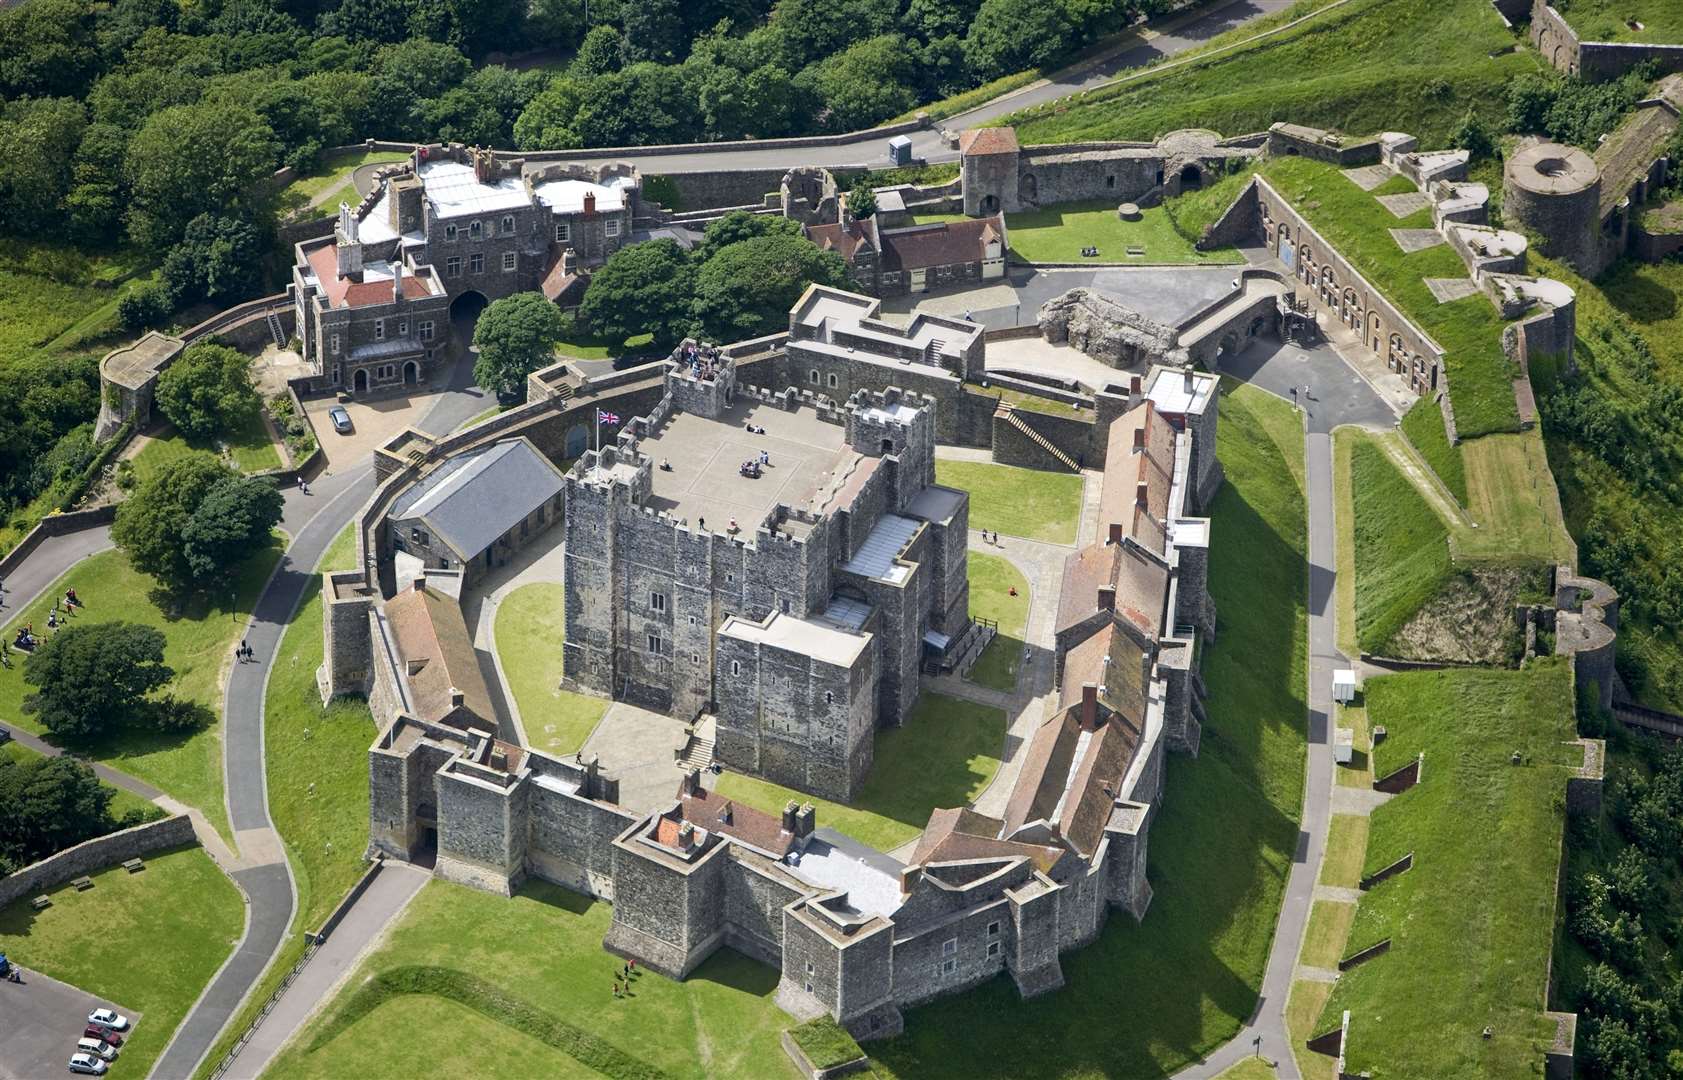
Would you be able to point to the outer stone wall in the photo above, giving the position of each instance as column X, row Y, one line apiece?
column 96, row 854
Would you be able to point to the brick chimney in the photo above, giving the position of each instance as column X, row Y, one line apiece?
column 1115, row 533
column 456, row 698
column 791, row 812
column 805, row 821
column 1107, row 598
column 692, row 783
column 1140, row 490
column 589, row 203
column 686, row 835
column 1089, row 706
column 1139, row 439
column 1135, row 393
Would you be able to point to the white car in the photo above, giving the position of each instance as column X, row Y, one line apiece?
column 87, row 1063
column 99, row 1048
column 109, row 1018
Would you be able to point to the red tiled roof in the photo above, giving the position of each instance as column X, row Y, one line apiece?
column 945, row 244
column 1051, row 767
column 432, row 637
column 710, row 811
column 344, row 292
column 841, row 239
column 1125, row 470
column 1140, row 583
column 988, row 140
column 957, row 835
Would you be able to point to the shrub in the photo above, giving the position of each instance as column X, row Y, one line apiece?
column 145, row 305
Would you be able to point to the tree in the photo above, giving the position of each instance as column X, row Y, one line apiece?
column 369, row 20
column 515, row 335
column 862, row 202
column 145, row 305
column 38, row 139
column 50, row 48
column 765, row 103
column 195, row 159
column 654, row 30
column 207, row 388
column 548, row 120
column 95, row 201
column 94, row 677
column 599, row 53
column 1014, row 35
column 810, row 30
column 150, row 523
column 644, row 288
column 643, row 105
column 866, row 83
column 747, row 289
column 740, row 225
column 218, row 258
column 233, row 521
column 49, row 804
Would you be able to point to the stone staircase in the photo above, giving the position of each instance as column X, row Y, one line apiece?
column 697, row 751
column 275, row 329
column 1008, row 413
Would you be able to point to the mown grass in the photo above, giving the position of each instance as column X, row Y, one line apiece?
column 1193, row 212
column 1221, row 846
column 333, row 175
column 1036, row 404
column 147, row 942
column 1323, row 940
column 1057, row 234
column 198, row 642
column 1251, row 1068
column 1372, row 65
column 1469, row 330
column 1423, row 425
column 721, row 1021
column 531, row 627
column 825, row 1043
column 944, row 755
column 1029, row 503
column 1610, row 20
column 992, row 579
column 582, row 346
column 246, row 442
column 1346, row 850
column 1471, row 925
column 1401, row 545
column 1512, row 495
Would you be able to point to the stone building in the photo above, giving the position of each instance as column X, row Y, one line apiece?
column 797, row 552
column 128, row 377
column 474, row 511
column 916, row 258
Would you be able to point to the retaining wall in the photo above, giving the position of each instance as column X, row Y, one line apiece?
column 1561, row 46
column 55, row 525
column 97, row 854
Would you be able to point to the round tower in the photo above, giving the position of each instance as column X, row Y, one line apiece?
column 1555, row 191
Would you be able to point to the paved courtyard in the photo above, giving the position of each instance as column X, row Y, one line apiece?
column 639, row 747
column 1167, row 294
column 40, row 1021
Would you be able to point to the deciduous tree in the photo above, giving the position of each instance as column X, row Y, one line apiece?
column 92, row 678
column 208, row 387
column 747, row 289
column 515, row 335
column 644, row 288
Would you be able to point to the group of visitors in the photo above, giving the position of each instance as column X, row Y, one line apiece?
column 25, row 639
column 245, row 654
column 622, row 979
column 700, row 359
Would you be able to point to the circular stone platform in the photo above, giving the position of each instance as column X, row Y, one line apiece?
column 1128, row 212
column 1552, row 169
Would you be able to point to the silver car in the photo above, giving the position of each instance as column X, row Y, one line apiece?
column 341, row 419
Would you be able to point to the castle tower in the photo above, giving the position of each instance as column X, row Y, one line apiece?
column 347, row 243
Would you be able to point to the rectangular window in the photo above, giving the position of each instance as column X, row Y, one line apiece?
column 809, row 988
column 657, row 601
column 735, row 668
column 509, row 261
column 476, row 231
column 692, row 620
column 379, row 329
column 426, row 329
column 507, row 226
column 613, row 226
column 949, row 966
column 563, row 232
column 695, row 658
column 949, row 947
column 453, row 266
column 450, row 234
column 993, row 948
column 654, row 644
column 476, row 264
column 809, row 968
column 993, row 929
column 333, row 344
column 403, row 328
column 337, row 374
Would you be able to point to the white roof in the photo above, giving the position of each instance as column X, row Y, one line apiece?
column 875, row 557
column 1170, row 393
column 1344, row 677
column 870, row 889
column 786, row 632
column 376, row 227
column 567, row 196
column 455, row 190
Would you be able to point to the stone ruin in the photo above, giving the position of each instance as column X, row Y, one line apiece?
column 1100, row 326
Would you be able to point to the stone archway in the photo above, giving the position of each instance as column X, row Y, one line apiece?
column 359, row 381
column 411, row 373
column 990, row 204
column 1191, row 178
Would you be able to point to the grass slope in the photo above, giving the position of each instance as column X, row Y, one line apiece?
column 1471, row 924
column 1610, row 20
column 57, row 297
column 1402, row 546
column 531, row 625
column 1423, row 425
column 198, row 642
column 149, row 941
column 1222, row 845
column 1369, row 66
column 1029, row 503
column 992, row 577
column 944, row 755
column 719, row 1022
column 1469, row 330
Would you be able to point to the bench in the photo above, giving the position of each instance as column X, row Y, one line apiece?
column 41, row 903
column 1136, row 251
column 82, row 884
column 133, row 866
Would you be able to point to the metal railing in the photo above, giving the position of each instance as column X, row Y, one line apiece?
column 246, row 1036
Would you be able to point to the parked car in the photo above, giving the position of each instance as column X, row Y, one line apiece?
column 109, row 1019
column 97, row 1047
column 341, row 419
column 107, row 1034
column 87, row 1063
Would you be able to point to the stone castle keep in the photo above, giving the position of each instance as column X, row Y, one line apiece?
column 797, row 609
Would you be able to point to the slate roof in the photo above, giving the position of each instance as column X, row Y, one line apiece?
column 477, row 496
column 435, row 656
column 989, row 140
column 1125, row 470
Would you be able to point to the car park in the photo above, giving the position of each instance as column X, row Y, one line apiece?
column 99, row 1048
column 340, row 418
column 87, row 1063
column 110, row 1019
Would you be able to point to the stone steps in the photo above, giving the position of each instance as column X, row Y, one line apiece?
column 1008, row 413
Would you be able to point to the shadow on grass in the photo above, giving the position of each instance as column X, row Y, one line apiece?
column 732, row 969
column 999, row 665
column 543, row 892
column 1640, row 297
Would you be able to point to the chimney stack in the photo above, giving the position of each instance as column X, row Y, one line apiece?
column 1135, row 393
column 1139, row 439
column 790, row 812
column 1089, row 706
column 1190, row 382
column 686, row 835
column 589, row 203
column 456, row 698
column 1115, row 533
column 346, row 244
column 1140, row 490
column 692, row 782
column 805, row 821
column 1107, row 598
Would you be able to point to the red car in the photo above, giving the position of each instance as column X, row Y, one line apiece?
column 107, row 1034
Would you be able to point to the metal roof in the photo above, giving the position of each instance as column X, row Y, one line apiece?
column 476, row 497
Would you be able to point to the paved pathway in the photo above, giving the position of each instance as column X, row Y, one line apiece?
column 387, row 897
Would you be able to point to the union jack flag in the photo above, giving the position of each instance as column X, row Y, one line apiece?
column 603, row 416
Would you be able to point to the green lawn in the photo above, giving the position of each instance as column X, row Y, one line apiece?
column 296, row 197
column 825, row 1043
column 479, row 418
column 1610, row 20
column 1057, row 234
column 1192, row 212
column 719, row 1022
column 1221, row 846
column 1402, row 546
column 1028, row 503
column 122, row 802
column 149, row 942
column 1472, row 923
column 199, row 641
column 1469, row 329
column 1329, row 926
column 1423, row 424
column 992, row 577
column 1035, row 403
column 1251, row 1068
column 583, row 346
column 1345, row 852
column 943, row 755
column 531, row 627
column 248, row 448
column 1371, row 65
